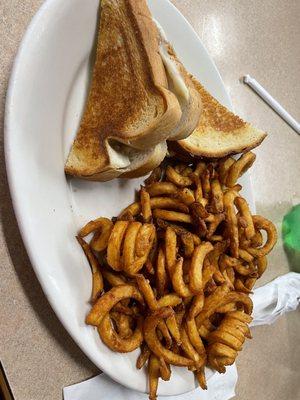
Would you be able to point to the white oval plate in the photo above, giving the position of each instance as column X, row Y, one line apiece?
column 45, row 100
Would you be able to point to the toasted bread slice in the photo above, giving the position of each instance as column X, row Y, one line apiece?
column 129, row 103
column 219, row 132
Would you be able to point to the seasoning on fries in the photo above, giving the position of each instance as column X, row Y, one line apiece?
column 172, row 274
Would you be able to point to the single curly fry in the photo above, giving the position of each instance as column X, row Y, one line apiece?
column 161, row 188
column 232, row 223
column 176, row 178
column 93, row 226
column 217, row 196
column 173, row 327
column 145, row 205
column 195, row 273
column 245, row 212
column 102, row 228
column 200, row 375
column 168, row 203
column 239, row 168
column 198, row 192
column 196, row 306
column 146, row 290
column 114, row 341
column 172, row 216
column 269, row 227
column 170, row 299
column 134, row 209
column 170, row 249
column 262, row 264
column 97, row 279
column 106, row 302
column 114, row 245
column 161, row 273
column 129, row 243
column 143, row 245
column 153, row 376
column 223, row 168
column 164, row 331
column 144, row 239
column 164, row 370
column 189, row 350
column 177, row 280
column 143, row 357
column 195, row 339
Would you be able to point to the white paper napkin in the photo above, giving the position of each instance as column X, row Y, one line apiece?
column 276, row 298
column 102, row 387
column 270, row 301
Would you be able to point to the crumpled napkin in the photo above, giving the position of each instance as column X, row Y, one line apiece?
column 276, row 298
column 270, row 301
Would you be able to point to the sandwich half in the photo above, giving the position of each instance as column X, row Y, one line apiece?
column 219, row 132
column 129, row 110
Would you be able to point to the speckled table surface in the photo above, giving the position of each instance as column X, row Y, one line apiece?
column 259, row 38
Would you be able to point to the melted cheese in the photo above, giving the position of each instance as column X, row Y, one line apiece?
column 180, row 88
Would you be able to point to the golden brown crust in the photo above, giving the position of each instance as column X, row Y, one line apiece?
column 215, row 115
column 220, row 132
column 150, row 37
